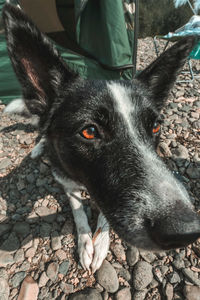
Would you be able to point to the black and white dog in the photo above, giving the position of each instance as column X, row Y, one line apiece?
column 101, row 135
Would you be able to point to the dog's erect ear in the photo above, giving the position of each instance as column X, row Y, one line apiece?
column 160, row 75
column 37, row 64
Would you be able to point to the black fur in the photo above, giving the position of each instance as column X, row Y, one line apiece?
column 142, row 201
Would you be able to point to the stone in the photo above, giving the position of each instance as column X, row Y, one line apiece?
column 123, row 294
column 119, row 252
column 139, row 295
column 66, row 287
column 4, row 163
column 124, row 273
column 11, row 244
column 181, row 152
column 174, row 278
column 191, row 292
column 4, row 228
column 43, row 279
column 132, row 255
column 61, row 254
column 29, row 289
column 6, row 258
column 52, row 271
column 22, row 229
column 45, row 229
column 19, row 256
column 107, row 277
column 47, row 214
column 17, row 279
column 30, row 252
column 55, row 241
column 87, row 294
column 191, row 276
column 169, row 291
column 148, row 256
column 4, row 289
column 193, row 172
column 64, row 267
column 142, row 275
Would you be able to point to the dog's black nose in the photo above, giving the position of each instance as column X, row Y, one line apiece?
column 176, row 231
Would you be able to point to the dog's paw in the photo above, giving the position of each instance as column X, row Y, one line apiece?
column 38, row 149
column 86, row 250
column 101, row 246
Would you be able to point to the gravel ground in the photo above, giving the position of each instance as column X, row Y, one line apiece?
column 37, row 233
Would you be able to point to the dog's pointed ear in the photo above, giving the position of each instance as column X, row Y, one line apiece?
column 38, row 66
column 160, row 75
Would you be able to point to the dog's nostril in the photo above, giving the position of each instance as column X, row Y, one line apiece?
column 175, row 232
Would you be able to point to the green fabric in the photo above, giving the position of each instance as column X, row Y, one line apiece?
column 101, row 32
column 102, row 39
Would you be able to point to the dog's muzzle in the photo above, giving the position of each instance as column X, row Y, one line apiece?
column 175, row 231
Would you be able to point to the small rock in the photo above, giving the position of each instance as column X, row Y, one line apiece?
column 22, row 229
column 169, row 291
column 125, row 274
column 55, row 241
column 148, row 256
column 107, row 277
column 174, row 278
column 52, row 271
column 11, row 244
column 4, row 228
column 66, row 287
column 191, row 292
column 19, row 256
column 190, row 275
column 46, row 213
column 163, row 150
column 30, row 252
column 87, row 294
column 193, row 172
column 142, row 275
column 61, row 254
column 119, row 252
column 43, row 279
column 17, row 279
column 4, row 289
column 140, row 295
column 6, row 162
column 123, row 294
column 181, row 152
column 6, row 259
column 64, row 267
column 132, row 256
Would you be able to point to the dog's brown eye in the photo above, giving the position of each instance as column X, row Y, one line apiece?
column 89, row 133
column 156, row 127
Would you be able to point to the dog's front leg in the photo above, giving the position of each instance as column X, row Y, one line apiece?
column 85, row 245
column 101, row 242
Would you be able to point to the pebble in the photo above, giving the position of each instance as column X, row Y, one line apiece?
column 148, row 256
column 11, row 244
column 55, row 241
column 119, row 252
column 181, row 152
column 64, row 267
column 46, row 213
column 191, row 276
column 6, row 259
column 4, row 289
column 123, row 294
column 132, row 256
column 169, row 291
column 66, row 287
column 87, row 294
column 107, row 277
column 17, row 279
column 22, row 229
column 139, row 295
column 142, row 275
column 6, row 162
column 52, row 271
column 19, row 256
column 43, row 279
column 191, row 292
column 193, row 172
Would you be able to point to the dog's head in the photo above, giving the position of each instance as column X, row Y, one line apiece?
column 104, row 133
